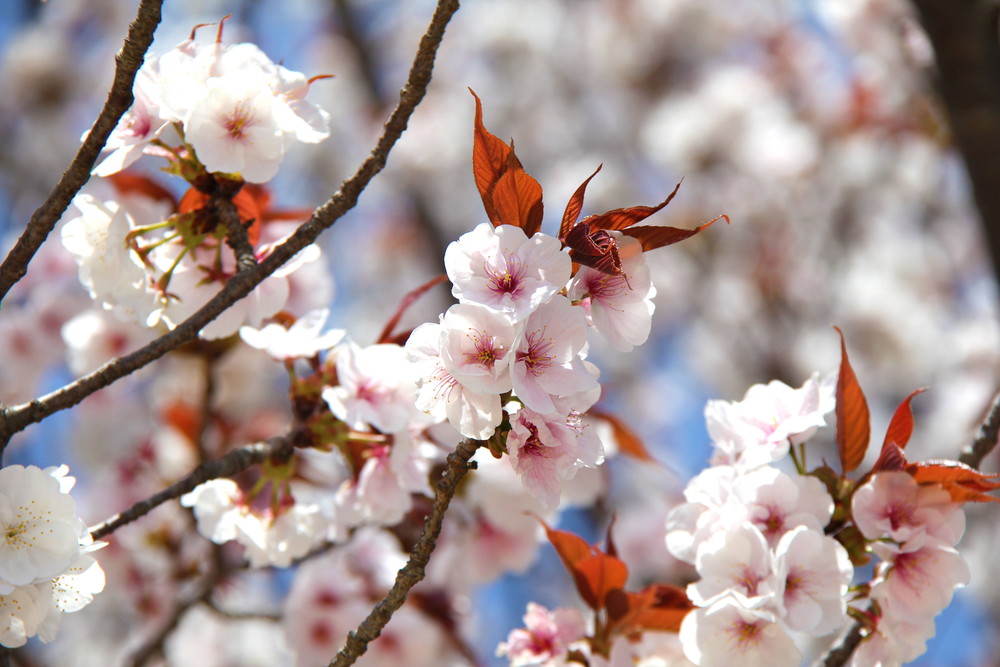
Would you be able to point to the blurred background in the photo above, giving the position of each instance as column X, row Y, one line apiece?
column 813, row 124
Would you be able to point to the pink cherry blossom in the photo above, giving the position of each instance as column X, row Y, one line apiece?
column 893, row 505
column 545, row 450
column 735, row 562
column 729, row 634
column 919, row 583
column 477, row 347
column 501, row 268
column 777, row 502
column 440, row 395
column 759, row 429
column 545, row 639
column 547, row 362
column 376, row 388
column 813, row 573
column 712, row 507
column 620, row 307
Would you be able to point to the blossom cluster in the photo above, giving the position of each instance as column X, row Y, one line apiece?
column 45, row 564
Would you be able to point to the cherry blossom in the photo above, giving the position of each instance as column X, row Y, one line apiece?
column 813, row 572
column 729, row 634
column 920, row 583
column 777, row 502
column 547, row 361
column 19, row 616
column 440, row 395
column 545, row 638
column 302, row 340
column 375, row 388
column 477, row 347
column 894, row 505
column 501, row 268
column 735, row 562
column 545, row 450
column 620, row 307
column 759, row 429
column 40, row 527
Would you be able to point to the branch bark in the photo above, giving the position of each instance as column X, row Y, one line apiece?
column 120, row 98
column 230, row 464
column 964, row 36
column 413, row 572
column 17, row 418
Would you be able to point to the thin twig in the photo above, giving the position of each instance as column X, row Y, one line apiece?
column 986, row 437
column 154, row 645
column 273, row 617
column 413, row 572
column 841, row 652
column 17, row 418
column 127, row 62
column 236, row 233
column 230, row 464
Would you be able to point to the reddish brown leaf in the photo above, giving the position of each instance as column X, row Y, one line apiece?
column 517, row 198
column 623, row 218
column 628, row 440
column 655, row 236
column 596, row 249
column 901, row 427
column 964, row 483
column 597, row 575
column 407, row 301
column 571, row 548
column 574, row 206
column 890, row 458
column 853, row 427
column 657, row 607
column 489, row 160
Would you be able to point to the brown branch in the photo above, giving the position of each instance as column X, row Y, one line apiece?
column 154, row 645
column 967, row 53
column 413, row 572
column 840, row 653
column 986, row 437
column 43, row 220
column 16, row 418
column 236, row 233
column 230, row 464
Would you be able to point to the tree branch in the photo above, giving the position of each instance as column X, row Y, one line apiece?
column 413, row 572
column 43, row 220
column 840, row 653
column 230, row 464
column 986, row 437
column 967, row 53
column 236, row 233
column 16, row 418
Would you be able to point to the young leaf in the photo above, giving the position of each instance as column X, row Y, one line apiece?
column 901, row 427
column 598, row 575
column 623, row 218
column 517, row 198
column 594, row 248
column 964, row 483
column 853, row 427
column 890, row 458
column 571, row 548
column 489, row 161
column 411, row 296
column 629, row 442
column 574, row 206
column 656, row 236
column 658, row 607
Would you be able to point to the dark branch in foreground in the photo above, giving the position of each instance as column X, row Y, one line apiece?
column 413, row 572
column 840, row 653
column 230, row 464
column 17, row 418
column 43, row 220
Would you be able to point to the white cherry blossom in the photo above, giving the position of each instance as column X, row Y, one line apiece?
column 729, row 634
column 813, row 573
column 376, row 388
column 893, row 505
column 777, row 502
column 477, row 346
column 735, row 562
column 501, row 268
column 302, row 340
column 918, row 584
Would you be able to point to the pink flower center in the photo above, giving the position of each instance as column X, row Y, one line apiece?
column 602, row 287
column 898, row 515
column 487, row 350
column 773, row 524
column 509, row 280
column 749, row 580
column 538, row 356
